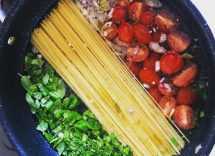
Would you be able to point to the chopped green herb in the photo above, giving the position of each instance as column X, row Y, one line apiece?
column 201, row 114
column 174, row 141
column 70, row 129
column 187, row 56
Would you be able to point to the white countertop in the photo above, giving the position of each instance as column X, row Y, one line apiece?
column 206, row 7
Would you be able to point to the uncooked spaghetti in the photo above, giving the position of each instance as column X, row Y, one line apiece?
column 86, row 63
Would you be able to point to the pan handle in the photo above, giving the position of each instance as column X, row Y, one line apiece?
column 4, row 7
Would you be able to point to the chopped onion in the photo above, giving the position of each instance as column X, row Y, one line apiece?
column 157, row 66
column 163, row 38
column 153, row 3
column 157, row 48
column 146, row 86
column 110, row 14
column 167, row 86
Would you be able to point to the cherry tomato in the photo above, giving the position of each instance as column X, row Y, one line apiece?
column 150, row 62
column 147, row 18
column 166, row 21
column 111, row 32
column 166, row 87
column 149, row 77
column 154, row 92
column 119, row 14
column 122, row 3
column 167, row 104
column 186, row 76
column 178, row 41
column 125, row 32
column 137, row 53
column 134, row 11
column 171, row 62
column 186, row 96
column 142, row 34
column 134, row 67
column 184, row 117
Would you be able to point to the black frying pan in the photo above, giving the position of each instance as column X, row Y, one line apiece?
column 15, row 114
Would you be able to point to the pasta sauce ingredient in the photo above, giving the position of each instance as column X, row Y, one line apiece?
column 126, row 32
column 171, row 62
column 167, row 105
column 178, row 41
column 158, row 52
column 184, row 117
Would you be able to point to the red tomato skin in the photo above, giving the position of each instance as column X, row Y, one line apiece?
column 150, row 62
column 186, row 96
column 137, row 53
column 154, row 92
column 184, row 117
column 142, row 34
column 178, row 41
column 171, row 62
column 111, row 32
column 167, row 105
column 122, row 3
column 149, row 77
column 147, row 18
column 119, row 14
column 125, row 32
column 166, row 87
column 166, row 21
column 134, row 11
column 134, row 67
column 186, row 75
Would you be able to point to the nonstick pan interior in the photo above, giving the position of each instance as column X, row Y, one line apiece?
column 15, row 114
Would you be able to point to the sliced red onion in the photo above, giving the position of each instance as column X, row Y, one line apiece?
column 163, row 38
column 146, row 86
column 157, row 66
column 167, row 86
column 136, row 49
column 162, row 79
column 153, row 3
column 157, row 48
column 110, row 14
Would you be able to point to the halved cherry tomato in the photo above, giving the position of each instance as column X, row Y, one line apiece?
column 171, row 62
column 186, row 96
column 167, row 104
column 137, row 53
column 184, row 117
column 154, row 92
column 119, row 14
column 122, row 3
column 150, row 62
column 134, row 11
column 186, row 76
column 111, row 32
column 134, row 67
column 149, row 77
column 166, row 21
column 147, row 18
column 142, row 34
column 125, row 32
column 166, row 87
column 178, row 41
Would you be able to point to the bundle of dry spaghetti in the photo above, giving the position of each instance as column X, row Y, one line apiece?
column 86, row 63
